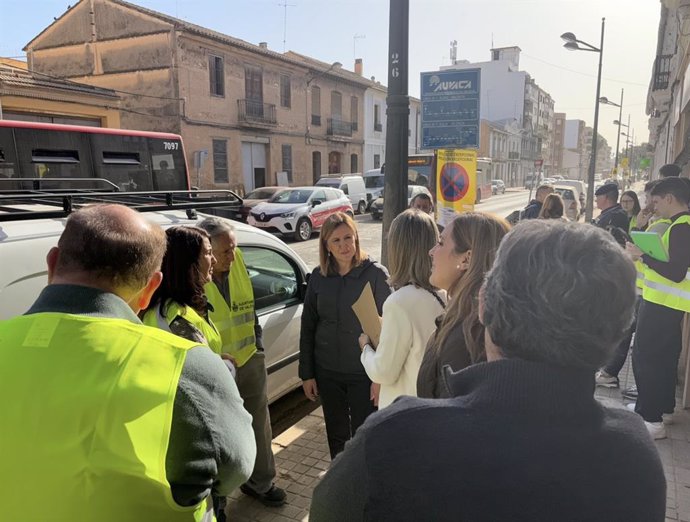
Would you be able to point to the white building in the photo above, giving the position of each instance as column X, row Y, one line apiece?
column 507, row 93
column 375, row 120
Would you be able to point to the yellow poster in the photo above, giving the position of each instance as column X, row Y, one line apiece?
column 456, row 182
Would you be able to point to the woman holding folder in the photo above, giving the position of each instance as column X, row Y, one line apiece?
column 329, row 364
column 409, row 313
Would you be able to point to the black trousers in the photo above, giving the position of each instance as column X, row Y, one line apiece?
column 657, row 347
column 613, row 367
column 346, row 404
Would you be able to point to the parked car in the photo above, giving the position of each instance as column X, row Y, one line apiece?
column 498, row 186
column 412, row 191
column 373, row 183
column 277, row 273
column 580, row 187
column 299, row 211
column 571, row 201
column 254, row 198
column 352, row 186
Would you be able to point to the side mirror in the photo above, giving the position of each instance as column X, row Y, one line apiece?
column 316, row 202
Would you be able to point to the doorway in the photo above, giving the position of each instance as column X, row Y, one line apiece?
column 253, row 165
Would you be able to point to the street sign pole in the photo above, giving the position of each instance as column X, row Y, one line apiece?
column 398, row 112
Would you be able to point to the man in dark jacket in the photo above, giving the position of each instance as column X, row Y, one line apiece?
column 612, row 218
column 522, row 437
column 532, row 210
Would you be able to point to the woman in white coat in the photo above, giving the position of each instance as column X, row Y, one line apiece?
column 409, row 313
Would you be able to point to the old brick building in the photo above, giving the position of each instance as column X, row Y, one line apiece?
column 251, row 112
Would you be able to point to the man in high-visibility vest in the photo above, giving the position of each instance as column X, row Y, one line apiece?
column 232, row 298
column 665, row 300
column 112, row 420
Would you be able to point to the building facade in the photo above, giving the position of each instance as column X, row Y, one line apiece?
column 27, row 96
column 509, row 94
column 252, row 114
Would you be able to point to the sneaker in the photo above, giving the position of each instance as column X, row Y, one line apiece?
column 631, row 393
column 604, row 379
column 657, row 430
column 274, row 497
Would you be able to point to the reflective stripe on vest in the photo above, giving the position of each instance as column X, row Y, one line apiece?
column 235, row 321
column 662, row 291
column 88, row 418
column 172, row 310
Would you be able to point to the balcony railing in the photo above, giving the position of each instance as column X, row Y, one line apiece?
column 251, row 111
column 338, row 127
column 662, row 72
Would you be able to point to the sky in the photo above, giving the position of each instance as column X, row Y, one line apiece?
column 342, row 30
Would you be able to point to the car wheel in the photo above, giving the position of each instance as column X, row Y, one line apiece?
column 362, row 207
column 303, row 231
column 350, row 213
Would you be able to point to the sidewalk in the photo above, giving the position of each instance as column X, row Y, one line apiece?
column 302, row 457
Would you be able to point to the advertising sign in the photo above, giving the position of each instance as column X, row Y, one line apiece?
column 450, row 109
column 456, row 185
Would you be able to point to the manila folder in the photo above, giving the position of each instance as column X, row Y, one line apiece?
column 368, row 315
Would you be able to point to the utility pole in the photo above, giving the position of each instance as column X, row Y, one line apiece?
column 398, row 112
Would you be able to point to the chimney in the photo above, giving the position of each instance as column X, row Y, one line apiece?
column 263, row 45
column 359, row 66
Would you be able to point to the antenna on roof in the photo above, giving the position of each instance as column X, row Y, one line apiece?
column 354, row 43
column 285, row 5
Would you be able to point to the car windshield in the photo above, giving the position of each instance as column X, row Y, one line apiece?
column 373, row 182
column 292, row 196
column 261, row 193
column 325, row 182
column 565, row 193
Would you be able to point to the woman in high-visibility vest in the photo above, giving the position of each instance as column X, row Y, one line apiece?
column 631, row 204
column 179, row 305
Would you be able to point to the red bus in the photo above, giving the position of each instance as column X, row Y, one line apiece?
column 421, row 170
column 67, row 155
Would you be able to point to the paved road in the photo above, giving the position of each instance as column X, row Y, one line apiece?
column 370, row 230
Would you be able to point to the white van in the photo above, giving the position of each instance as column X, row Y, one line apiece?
column 277, row 273
column 373, row 182
column 352, row 186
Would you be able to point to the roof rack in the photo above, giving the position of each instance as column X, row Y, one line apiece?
column 15, row 205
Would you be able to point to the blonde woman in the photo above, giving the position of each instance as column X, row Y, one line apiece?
column 329, row 363
column 463, row 255
column 553, row 208
column 410, row 311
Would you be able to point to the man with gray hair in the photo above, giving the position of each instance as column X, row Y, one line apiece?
column 232, row 298
column 522, row 437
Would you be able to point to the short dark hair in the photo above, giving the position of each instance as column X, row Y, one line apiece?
column 670, row 170
column 543, row 297
column 678, row 188
column 98, row 239
column 181, row 275
column 421, row 195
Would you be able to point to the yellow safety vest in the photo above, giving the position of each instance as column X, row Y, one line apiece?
column 662, row 291
column 86, row 419
column 173, row 309
column 639, row 265
column 235, row 322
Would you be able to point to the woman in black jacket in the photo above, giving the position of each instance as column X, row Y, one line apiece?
column 329, row 363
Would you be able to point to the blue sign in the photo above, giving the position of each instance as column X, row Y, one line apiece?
column 450, row 109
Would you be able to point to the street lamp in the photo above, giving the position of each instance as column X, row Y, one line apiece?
column 573, row 44
column 606, row 101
